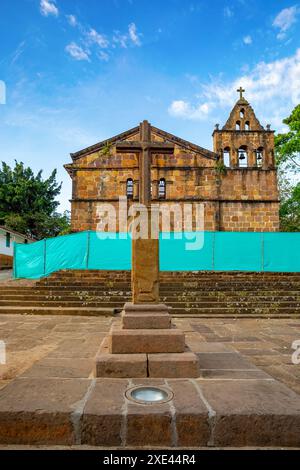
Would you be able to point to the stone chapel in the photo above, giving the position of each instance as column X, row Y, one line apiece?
column 236, row 182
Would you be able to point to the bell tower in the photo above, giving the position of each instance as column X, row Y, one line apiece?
column 243, row 143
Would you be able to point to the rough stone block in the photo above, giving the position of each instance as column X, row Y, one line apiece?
column 121, row 365
column 146, row 320
column 103, row 414
column 192, row 423
column 130, row 307
column 253, row 413
column 173, row 365
column 145, row 341
column 149, row 425
column 39, row 411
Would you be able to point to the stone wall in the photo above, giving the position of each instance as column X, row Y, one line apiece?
column 249, row 216
column 241, row 199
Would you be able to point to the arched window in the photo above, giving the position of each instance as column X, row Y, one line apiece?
column 129, row 188
column 243, row 157
column 238, row 125
column 226, row 156
column 259, row 156
column 162, row 188
column 247, row 126
column 242, row 113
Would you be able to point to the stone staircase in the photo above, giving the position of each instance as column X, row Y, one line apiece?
column 199, row 294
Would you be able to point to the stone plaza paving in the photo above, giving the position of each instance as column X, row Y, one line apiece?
column 59, row 339
column 48, row 394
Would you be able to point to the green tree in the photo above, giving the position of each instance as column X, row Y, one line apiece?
column 290, row 211
column 28, row 202
column 287, row 152
column 287, row 145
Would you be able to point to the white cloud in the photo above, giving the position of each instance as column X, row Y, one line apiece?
column 100, row 39
column 184, row 109
column 18, row 52
column 77, row 52
column 103, row 56
column 120, row 39
column 228, row 12
column 273, row 88
column 72, row 20
column 133, row 34
column 247, row 40
column 285, row 19
column 48, row 7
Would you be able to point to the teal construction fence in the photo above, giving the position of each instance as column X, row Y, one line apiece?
column 188, row 251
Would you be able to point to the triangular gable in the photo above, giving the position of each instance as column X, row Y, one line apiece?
column 249, row 116
column 156, row 134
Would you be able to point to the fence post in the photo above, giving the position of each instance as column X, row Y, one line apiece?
column 262, row 252
column 213, row 252
column 45, row 246
column 14, row 261
column 88, row 250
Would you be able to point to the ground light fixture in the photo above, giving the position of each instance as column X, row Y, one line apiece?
column 149, row 395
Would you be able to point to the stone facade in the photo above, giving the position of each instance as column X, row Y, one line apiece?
column 237, row 182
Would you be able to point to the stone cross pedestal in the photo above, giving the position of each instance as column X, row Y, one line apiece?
column 145, row 343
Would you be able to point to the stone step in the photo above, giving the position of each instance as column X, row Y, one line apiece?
column 202, row 306
column 83, row 311
column 121, row 365
column 226, row 312
column 179, row 283
column 235, row 304
column 259, row 412
column 172, row 274
column 145, row 341
column 57, row 303
column 64, row 298
column 179, row 297
column 173, row 365
column 146, row 321
column 97, row 290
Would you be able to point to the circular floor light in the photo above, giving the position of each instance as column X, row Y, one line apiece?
column 148, row 395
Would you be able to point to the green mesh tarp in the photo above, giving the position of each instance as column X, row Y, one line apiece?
column 189, row 251
column 240, row 251
column 29, row 260
column 109, row 251
column 68, row 252
column 281, row 252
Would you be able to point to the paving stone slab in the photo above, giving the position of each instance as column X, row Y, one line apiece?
column 228, row 361
column 39, row 410
column 258, row 412
column 64, row 368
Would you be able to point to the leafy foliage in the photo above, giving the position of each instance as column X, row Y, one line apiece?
column 27, row 202
column 287, row 145
column 290, row 211
column 220, row 167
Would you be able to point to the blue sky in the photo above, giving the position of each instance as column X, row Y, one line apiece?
column 80, row 71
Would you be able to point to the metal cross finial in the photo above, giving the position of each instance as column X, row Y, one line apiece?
column 240, row 91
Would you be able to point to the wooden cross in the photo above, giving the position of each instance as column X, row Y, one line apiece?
column 145, row 147
column 240, row 91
